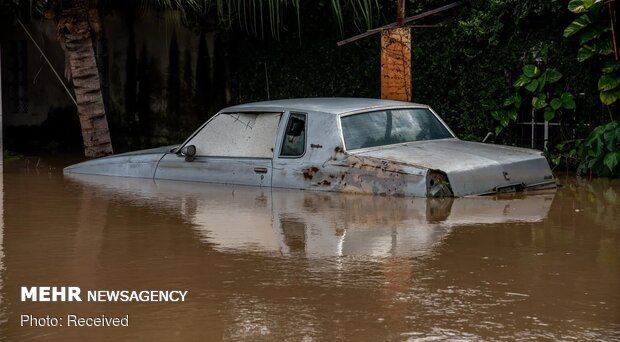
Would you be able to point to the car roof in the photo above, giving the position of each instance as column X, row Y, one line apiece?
column 333, row 105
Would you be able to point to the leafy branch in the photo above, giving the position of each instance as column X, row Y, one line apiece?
column 535, row 84
column 597, row 38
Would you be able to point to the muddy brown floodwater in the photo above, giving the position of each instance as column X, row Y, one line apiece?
column 276, row 265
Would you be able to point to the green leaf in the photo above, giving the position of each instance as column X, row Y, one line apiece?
column 531, row 71
column 580, row 6
column 613, row 126
column 498, row 130
column 610, row 139
column 577, row 25
column 542, row 80
column 576, row 6
column 497, row 115
column 604, row 47
column 568, row 102
column 585, row 52
column 556, row 104
column 608, row 82
column 592, row 33
column 611, row 66
column 553, row 75
column 549, row 114
column 513, row 101
column 594, row 135
column 539, row 102
column 512, row 114
column 517, row 101
column 600, row 146
column 532, row 86
column 608, row 97
column 522, row 81
column 612, row 159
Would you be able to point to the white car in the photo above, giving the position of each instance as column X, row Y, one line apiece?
column 335, row 144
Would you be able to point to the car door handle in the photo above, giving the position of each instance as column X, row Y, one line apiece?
column 260, row 169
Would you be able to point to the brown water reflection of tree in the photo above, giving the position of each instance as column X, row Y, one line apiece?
column 89, row 236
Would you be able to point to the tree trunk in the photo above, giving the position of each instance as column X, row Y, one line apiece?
column 75, row 29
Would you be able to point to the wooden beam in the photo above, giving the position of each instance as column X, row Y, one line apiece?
column 400, row 12
column 405, row 21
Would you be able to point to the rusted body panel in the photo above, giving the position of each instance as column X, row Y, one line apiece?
column 345, row 172
column 326, row 166
column 428, row 168
column 472, row 168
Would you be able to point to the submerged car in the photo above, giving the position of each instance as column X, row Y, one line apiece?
column 335, row 144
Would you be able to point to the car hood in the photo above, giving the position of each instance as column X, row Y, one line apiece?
column 471, row 167
column 160, row 149
column 141, row 164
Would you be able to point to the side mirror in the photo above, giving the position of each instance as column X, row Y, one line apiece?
column 189, row 152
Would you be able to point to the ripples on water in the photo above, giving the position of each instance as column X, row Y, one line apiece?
column 263, row 264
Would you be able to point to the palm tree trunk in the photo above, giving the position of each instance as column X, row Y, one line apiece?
column 75, row 29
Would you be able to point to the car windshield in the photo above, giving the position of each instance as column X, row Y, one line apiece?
column 389, row 127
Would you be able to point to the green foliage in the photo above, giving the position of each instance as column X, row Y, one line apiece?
column 601, row 151
column 577, row 25
column 465, row 71
column 568, row 101
column 531, row 71
column 544, row 92
column 580, row 6
column 609, row 83
column 595, row 39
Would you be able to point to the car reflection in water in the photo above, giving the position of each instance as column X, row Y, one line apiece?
column 318, row 224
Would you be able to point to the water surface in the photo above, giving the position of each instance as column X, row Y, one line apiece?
column 263, row 264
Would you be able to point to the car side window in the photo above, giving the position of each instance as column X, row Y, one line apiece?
column 246, row 135
column 294, row 144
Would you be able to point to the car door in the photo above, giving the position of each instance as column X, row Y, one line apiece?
column 231, row 148
column 290, row 159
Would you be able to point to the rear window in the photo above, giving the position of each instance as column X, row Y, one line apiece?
column 391, row 127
